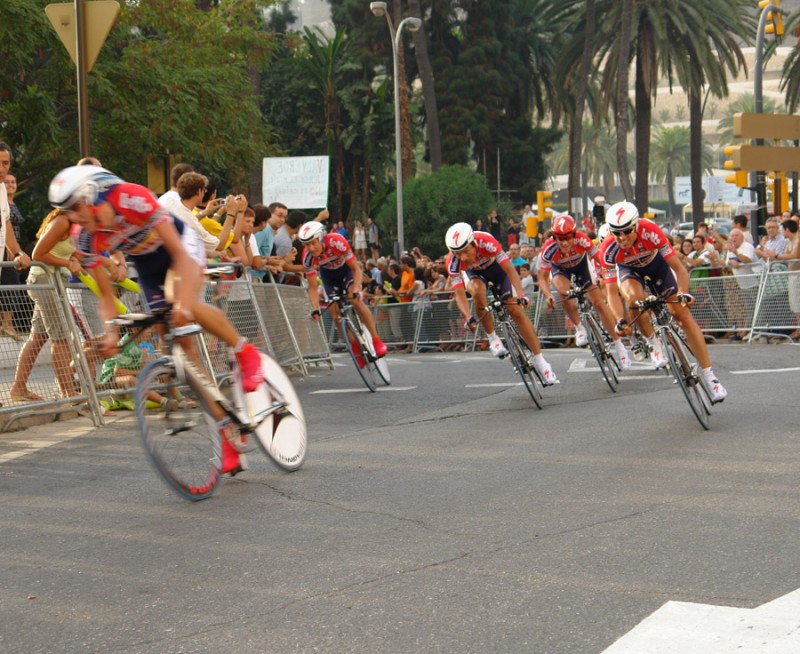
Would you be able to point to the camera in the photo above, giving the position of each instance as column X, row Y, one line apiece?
column 222, row 202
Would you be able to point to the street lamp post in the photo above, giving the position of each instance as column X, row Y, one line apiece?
column 413, row 24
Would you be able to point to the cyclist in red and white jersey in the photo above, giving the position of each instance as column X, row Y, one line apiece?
column 564, row 255
column 332, row 257
column 637, row 248
column 478, row 258
column 111, row 215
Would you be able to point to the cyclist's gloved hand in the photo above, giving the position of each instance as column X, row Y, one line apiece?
column 315, row 315
column 524, row 301
column 180, row 317
column 686, row 299
column 622, row 328
column 551, row 302
column 471, row 324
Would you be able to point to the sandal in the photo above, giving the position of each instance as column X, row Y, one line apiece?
column 26, row 396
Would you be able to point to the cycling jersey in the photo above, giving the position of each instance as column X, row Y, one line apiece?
column 488, row 252
column 554, row 257
column 650, row 244
column 137, row 215
column 336, row 253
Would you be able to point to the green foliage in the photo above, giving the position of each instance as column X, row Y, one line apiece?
column 431, row 204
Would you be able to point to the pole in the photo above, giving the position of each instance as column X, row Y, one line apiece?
column 80, row 64
column 398, row 152
column 759, row 215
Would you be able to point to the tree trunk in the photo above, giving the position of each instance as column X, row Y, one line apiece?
column 621, row 104
column 644, row 112
column 671, row 192
column 696, row 157
column 576, row 131
column 428, row 90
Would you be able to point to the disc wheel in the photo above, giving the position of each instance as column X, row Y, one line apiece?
column 522, row 363
column 352, row 340
column 282, row 435
column 599, row 348
column 181, row 439
column 684, row 369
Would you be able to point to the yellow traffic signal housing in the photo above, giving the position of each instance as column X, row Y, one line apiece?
column 774, row 23
column 543, row 204
column 739, row 178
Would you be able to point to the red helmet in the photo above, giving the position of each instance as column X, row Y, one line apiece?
column 563, row 225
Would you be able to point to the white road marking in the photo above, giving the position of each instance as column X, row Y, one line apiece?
column 681, row 627
column 29, row 447
column 381, row 389
column 763, row 370
column 498, row 385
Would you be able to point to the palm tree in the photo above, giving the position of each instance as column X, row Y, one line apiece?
column 745, row 103
column 670, row 157
column 790, row 80
column 597, row 156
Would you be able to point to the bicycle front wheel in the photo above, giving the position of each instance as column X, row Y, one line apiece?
column 353, row 340
column 179, row 436
column 378, row 365
column 283, row 435
column 521, row 358
column 684, row 369
column 599, row 348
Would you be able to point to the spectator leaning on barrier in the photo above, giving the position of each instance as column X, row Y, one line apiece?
column 172, row 197
column 55, row 250
column 774, row 243
column 741, row 258
column 792, row 257
column 10, row 276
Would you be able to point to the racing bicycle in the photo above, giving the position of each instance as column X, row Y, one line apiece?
column 358, row 341
column 180, row 434
column 598, row 343
column 680, row 360
column 518, row 350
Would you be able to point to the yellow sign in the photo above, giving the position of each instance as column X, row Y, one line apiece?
column 99, row 17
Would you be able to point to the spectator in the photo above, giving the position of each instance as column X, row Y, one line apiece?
column 740, row 257
column 599, row 209
column 392, row 287
column 493, row 224
column 341, row 229
column 289, row 249
column 513, row 231
column 9, row 300
column 528, row 219
column 360, row 241
column 740, row 221
column 374, row 238
column 515, row 256
column 172, row 197
column 10, row 249
column 54, row 249
column 774, row 243
column 528, row 281
column 792, row 257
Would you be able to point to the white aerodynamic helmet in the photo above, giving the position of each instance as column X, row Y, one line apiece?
column 621, row 217
column 80, row 183
column 458, row 237
column 311, row 230
column 603, row 232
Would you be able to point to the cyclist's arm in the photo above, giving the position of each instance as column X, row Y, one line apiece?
column 614, row 300
column 352, row 263
column 108, row 307
column 681, row 274
column 313, row 292
column 183, row 266
column 513, row 275
column 543, row 279
column 460, row 296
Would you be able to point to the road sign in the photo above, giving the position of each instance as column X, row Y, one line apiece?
column 99, row 19
column 763, row 157
column 766, row 126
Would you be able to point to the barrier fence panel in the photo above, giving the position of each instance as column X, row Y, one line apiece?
column 309, row 336
column 440, row 324
column 777, row 311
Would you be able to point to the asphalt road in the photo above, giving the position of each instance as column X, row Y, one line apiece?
column 444, row 515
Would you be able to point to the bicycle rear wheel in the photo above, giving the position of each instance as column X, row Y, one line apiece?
column 599, row 348
column 521, row 358
column 352, row 339
column 378, row 365
column 180, row 439
column 282, row 435
column 684, row 369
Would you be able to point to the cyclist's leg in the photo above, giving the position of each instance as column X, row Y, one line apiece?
column 694, row 335
column 632, row 290
column 561, row 284
column 476, row 287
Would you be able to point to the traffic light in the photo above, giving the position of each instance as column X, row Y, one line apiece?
column 739, row 178
column 780, row 192
column 543, row 204
column 774, row 18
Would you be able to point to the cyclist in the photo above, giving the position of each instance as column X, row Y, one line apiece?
column 566, row 253
column 640, row 249
column 332, row 257
column 116, row 216
column 478, row 258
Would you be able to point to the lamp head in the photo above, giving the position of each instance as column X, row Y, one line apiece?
column 413, row 24
column 378, row 8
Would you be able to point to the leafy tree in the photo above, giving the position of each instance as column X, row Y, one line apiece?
column 434, row 202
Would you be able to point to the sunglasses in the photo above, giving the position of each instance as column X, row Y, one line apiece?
column 623, row 232
column 565, row 237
